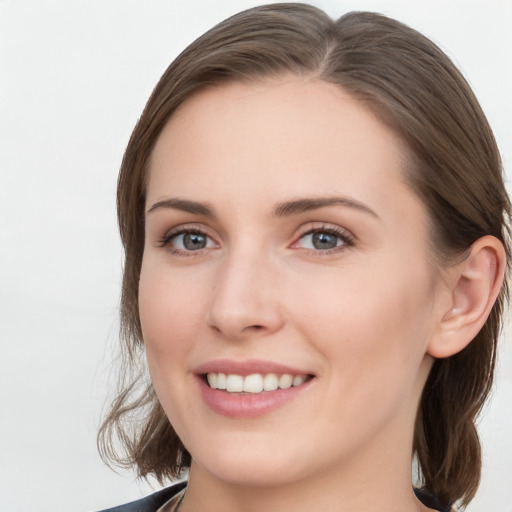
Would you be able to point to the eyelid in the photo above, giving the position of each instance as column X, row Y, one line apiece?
column 165, row 240
column 345, row 236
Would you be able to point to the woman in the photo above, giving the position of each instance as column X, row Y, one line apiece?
column 314, row 221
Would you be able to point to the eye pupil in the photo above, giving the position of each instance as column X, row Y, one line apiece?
column 324, row 241
column 194, row 241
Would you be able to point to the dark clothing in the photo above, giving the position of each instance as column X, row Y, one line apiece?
column 430, row 500
column 150, row 503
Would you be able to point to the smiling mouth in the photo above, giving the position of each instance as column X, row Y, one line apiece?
column 254, row 383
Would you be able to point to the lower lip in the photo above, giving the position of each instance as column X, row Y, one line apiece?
column 249, row 405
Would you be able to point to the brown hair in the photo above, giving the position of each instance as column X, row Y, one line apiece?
column 455, row 168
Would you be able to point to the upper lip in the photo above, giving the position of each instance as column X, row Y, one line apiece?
column 247, row 367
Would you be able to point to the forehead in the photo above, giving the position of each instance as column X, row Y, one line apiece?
column 276, row 139
column 270, row 120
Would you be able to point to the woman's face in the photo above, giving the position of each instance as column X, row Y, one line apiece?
column 283, row 248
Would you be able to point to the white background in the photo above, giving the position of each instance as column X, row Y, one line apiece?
column 74, row 76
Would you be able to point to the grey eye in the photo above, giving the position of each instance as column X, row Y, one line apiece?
column 191, row 241
column 325, row 240
column 194, row 241
column 321, row 240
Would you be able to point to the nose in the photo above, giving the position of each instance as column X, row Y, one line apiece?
column 245, row 299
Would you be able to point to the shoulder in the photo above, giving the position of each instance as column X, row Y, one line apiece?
column 150, row 503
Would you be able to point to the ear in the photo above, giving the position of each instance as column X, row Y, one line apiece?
column 474, row 284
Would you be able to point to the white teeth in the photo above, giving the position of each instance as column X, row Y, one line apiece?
column 254, row 383
column 221, row 381
column 234, row 383
column 298, row 380
column 212, row 380
column 285, row 381
column 270, row 382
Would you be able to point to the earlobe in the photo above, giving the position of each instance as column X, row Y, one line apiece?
column 475, row 284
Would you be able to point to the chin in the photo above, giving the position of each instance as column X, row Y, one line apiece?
column 249, row 469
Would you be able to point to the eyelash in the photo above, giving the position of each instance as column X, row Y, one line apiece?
column 165, row 241
column 347, row 240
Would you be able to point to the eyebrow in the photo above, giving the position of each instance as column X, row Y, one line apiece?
column 183, row 205
column 303, row 205
column 283, row 209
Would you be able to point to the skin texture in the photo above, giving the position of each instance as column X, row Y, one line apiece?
column 361, row 318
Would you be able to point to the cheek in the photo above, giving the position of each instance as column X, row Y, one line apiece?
column 372, row 323
column 171, row 312
column 170, row 309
